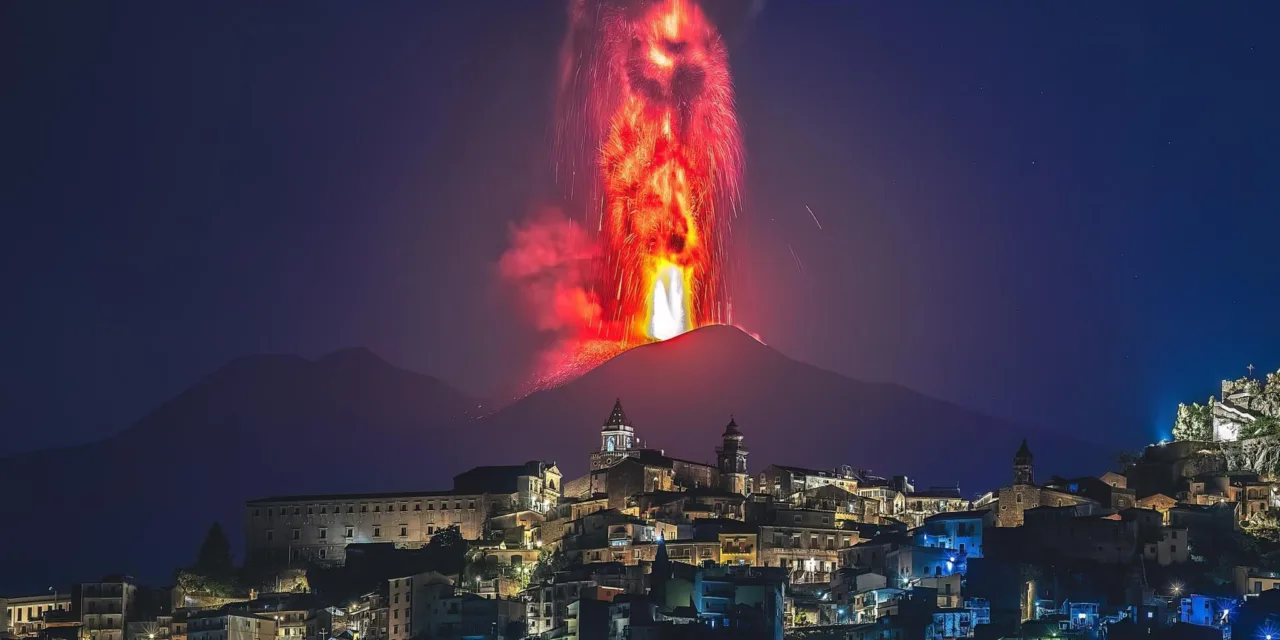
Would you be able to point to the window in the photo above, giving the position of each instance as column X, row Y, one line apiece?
column 310, row 511
column 364, row 508
column 395, row 629
column 417, row 506
column 323, row 510
column 457, row 504
column 324, row 533
column 395, row 613
column 431, row 506
column 797, row 519
column 351, row 532
column 404, row 532
column 255, row 513
column 271, row 536
column 377, row 532
column 268, row 512
column 351, row 509
column 297, row 534
column 377, row 508
column 322, row 553
column 1018, row 498
column 826, row 520
column 471, row 504
column 297, row 511
column 396, row 599
column 404, row 507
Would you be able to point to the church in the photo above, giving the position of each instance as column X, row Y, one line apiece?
column 622, row 467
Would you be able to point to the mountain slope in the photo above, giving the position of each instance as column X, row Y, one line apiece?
column 140, row 502
column 680, row 394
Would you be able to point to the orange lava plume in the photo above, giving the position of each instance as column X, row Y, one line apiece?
column 648, row 125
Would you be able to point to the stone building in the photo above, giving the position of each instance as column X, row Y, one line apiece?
column 1024, row 494
column 318, row 528
column 807, row 543
column 731, row 457
column 105, row 607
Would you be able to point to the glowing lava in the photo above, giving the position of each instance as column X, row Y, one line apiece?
column 647, row 91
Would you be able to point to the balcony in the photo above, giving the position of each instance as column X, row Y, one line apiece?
column 738, row 549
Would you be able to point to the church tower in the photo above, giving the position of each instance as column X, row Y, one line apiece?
column 732, row 459
column 1022, row 465
column 617, row 439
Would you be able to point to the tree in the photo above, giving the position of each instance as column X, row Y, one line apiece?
column 215, row 559
column 214, row 572
column 548, row 564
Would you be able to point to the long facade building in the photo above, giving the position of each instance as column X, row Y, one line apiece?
column 317, row 528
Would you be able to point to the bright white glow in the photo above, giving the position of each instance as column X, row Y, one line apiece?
column 1081, row 616
column 668, row 319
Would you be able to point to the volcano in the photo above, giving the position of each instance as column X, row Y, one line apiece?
column 140, row 501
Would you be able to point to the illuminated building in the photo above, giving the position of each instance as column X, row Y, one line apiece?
column 617, row 439
column 317, row 528
column 25, row 614
column 1024, row 494
column 230, row 625
column 919, row 505
column 105, row 607
column 806, row 543
column 783, row 482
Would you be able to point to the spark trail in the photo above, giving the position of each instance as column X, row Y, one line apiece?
column 648, row 130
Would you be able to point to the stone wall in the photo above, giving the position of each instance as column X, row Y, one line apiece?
column 1261, row 455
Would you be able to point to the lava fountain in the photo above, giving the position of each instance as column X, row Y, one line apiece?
column 649, row 142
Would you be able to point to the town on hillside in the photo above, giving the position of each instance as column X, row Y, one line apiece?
column 1179, row 540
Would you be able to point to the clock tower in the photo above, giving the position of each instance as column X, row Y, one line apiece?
column 617, row 439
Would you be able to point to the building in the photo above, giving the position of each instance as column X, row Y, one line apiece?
column 106, row 607
column 806, row 543
column 24, row 615
column 958, row 530
column 617, row 439
column 846, row 505
column 1251, row 581
column 731, row 457
column 1024, row 494
column 919, row 505
column 230, row 625
column 532, row 486
column 783, row 482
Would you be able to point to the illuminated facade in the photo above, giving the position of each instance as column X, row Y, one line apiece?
column 25, row 615
column 617, row 439
column 105, row 607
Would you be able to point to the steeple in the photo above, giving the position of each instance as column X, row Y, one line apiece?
column 618, row 417
column 1022, row 465
column 617, row 434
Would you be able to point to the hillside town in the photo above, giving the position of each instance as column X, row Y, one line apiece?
column 1179, row 540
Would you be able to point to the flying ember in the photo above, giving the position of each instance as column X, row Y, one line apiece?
column 648, row 131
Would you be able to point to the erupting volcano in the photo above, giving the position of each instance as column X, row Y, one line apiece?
column 651, row 147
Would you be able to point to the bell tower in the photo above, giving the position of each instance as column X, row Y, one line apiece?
column 732, row 459
column 1022, row 465
column 617, row 439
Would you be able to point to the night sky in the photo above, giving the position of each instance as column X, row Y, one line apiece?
column 1058, row 213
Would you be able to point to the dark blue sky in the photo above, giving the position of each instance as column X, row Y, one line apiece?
column 1064, row 213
